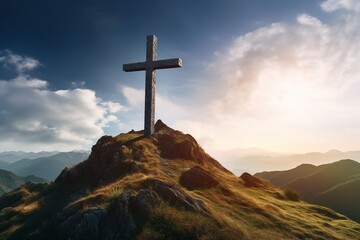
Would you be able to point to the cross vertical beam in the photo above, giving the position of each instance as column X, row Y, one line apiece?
column 150, row 65
column 150, row 84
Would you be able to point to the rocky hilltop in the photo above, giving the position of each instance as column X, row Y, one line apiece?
column 161, row 187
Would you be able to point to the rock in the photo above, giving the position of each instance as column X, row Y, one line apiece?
column 140, row 204
column 132, row 211
column 107, row 162
column 174, row 195
column 90, row 226
column 124, row 217
column 177, row 145
column 197, row 178
column 127, row 217
column 251, row 181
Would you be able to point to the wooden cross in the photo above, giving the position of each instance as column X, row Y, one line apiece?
column 150, row 66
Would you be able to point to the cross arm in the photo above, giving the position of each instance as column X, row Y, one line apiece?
column 167, row 63
column 132, row 67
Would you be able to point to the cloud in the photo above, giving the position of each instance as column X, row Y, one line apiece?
column 33, row 117
column 166, row 108
column 332, row 5
column 135, row 97
column 285, row 87
column 78, row 84
column 20, row 63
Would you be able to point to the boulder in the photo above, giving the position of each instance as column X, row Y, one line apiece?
column 89, row 224
column 197, row 178
column 251, row 181
column 172, row 194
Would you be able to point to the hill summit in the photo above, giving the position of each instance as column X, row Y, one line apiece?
column 163, row 186
column 115, row 157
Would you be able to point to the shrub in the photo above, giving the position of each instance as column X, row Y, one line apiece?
column 291, row 194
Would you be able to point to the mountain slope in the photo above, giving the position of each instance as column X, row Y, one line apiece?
column 10, row 181
column 333, row 185
column 46, row 167
column 329, row 176
column 161, row 187
column 343, row 198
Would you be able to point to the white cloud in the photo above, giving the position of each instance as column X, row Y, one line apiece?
column 285, row 87
column 309, row 20
column 166, row 109
column 135, row 97
column 22, row 81
column 33, row 117
column 20, row 63
column 332, row 5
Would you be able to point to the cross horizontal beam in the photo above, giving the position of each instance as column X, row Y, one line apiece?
column 159, row 64
column 167, row 63
column 133, row 67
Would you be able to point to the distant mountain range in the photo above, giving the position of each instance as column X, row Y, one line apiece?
column 18, row 168
column 13, row 156
column 10, row 181
column 46, row 167
column 335, row 185
column 238, row 161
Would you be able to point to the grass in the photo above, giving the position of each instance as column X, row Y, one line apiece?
column 233, row 211
column 171, row 223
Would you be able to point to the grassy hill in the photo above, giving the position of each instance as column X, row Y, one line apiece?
column 161, row 187
column 46, row 167
column 333, row 185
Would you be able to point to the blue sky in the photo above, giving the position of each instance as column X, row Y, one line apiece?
column 63, row 85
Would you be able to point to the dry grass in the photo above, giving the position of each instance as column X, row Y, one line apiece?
column 27, row 208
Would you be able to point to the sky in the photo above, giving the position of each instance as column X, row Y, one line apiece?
column 280, row 75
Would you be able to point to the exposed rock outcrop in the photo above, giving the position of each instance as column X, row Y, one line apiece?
column 176, row 145
column 174, row 195
column 197, row 178
column 251, row 181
